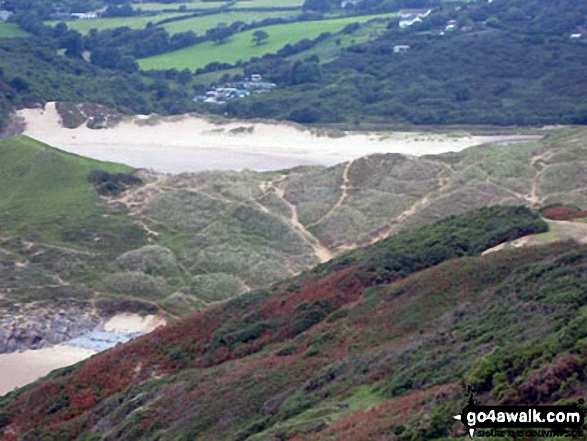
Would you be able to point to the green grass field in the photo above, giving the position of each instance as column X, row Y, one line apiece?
column 84, row 26
column 241, row 47
column 45, row 193
column 217, row 4
column 269, row 4
column 201, row 24
column 10, row 30
column 176, row 6
column 328, row 50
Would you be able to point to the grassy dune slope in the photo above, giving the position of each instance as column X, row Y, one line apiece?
column 365, row 346
column 57, row 235
column 185, row 241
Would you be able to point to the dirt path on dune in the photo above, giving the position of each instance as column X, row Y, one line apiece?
column 320, row 250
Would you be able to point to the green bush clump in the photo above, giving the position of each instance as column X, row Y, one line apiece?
column 151, row 259
column 231, row 337
column 216, row 286
column 450, row 238
column 308, row 315
column 108, row 184
column 137, row 284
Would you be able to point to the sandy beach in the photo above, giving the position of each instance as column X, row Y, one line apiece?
column 21, row 368
column 190, row 143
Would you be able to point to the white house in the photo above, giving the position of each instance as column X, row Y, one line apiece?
column 5, row 15
column 401, row 49
column 84, row 15
column 345, row 3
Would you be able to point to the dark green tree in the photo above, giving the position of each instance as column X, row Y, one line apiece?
column 260, row 36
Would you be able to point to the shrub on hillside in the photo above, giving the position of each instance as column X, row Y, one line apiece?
column 108, row 184
column 135, row 283
column 151, row 259
column 217, row 286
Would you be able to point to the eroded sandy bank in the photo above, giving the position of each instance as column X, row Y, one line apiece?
column 190, row 143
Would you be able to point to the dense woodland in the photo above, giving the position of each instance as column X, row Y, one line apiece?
column 515, row 65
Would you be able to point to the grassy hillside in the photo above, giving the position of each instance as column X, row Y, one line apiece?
column 241, row 46
column 146, row 6
column 58, row 236
column 269, row 4
column 10, row 30
column 45, row 195
column 201, row 24
column 133, row 22
column 348, row 351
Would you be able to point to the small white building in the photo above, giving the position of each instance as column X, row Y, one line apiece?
column 5, row 15
column 84, row 15
column 345, row 3
column 401, row 49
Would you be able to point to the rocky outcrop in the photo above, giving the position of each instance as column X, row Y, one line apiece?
column 34, row 326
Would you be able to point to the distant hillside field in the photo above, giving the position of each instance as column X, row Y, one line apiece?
column 10, row 30
column 269, row 4
column 241, row 47
column 139, row 22
column 201, row 24
column 169, row 6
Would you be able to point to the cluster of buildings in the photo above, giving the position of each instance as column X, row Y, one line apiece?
column 76, row 15
column 453, row 25
column 227, row 92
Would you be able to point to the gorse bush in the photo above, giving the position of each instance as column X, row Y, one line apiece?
column 137, row 284
column 108, row 184
column 216, row 286
column 154, row 260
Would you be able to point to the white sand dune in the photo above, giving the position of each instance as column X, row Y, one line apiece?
column 190, row 143
column 128, row 322
column 21, row 368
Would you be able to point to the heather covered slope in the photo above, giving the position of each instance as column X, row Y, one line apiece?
column 375, row 344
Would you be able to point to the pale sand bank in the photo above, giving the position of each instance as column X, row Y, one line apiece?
column 21, row 368
column 189, row 143
column 133, row 323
